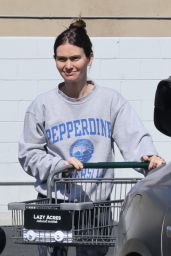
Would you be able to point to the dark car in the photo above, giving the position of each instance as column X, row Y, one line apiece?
column 145, row 220
column 2, row 240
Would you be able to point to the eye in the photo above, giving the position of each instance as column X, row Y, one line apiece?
column 61, row 58
column 75, row 58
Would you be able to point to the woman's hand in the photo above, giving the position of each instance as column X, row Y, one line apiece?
column 78, row 165
column 154, row 161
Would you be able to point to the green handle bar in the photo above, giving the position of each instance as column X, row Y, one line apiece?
column 143, row 165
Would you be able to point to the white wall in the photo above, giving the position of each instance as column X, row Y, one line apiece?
column 133, row 66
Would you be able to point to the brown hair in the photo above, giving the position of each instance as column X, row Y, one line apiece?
column 77, row 35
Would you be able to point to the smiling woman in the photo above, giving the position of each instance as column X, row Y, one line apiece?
column 73, row 53
column 79, row 122
column 71, row 59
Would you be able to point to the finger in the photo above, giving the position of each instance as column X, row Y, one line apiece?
column 160, row 162
column 151, row 165
column 75, row 162
column 146, row 158
column 156, row 162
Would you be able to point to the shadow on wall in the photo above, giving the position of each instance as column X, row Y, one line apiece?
column 2, row 240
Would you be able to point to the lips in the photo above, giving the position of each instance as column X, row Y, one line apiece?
column 66, row 74
column 69, row 73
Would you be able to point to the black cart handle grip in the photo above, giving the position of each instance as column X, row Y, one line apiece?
column 142, row 165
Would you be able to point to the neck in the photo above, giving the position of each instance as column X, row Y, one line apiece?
column 77, row 90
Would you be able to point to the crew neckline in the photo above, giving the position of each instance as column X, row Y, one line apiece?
column 74, row 100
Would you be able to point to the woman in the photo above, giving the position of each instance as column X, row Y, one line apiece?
column 79, row 122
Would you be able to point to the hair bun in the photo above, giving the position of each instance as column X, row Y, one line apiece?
column 79, row 23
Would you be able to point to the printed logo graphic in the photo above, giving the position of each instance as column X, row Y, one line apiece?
column 82, row 149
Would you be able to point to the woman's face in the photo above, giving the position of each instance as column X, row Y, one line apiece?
column 72, row 62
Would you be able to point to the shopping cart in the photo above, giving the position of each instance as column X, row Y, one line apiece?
column 77, row 218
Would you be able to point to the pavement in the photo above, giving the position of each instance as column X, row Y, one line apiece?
column 13, row 249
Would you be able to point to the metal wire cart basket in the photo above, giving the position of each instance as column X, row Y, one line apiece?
column 77, row 218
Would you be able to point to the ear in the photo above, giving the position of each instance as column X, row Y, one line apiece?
column 90, row 59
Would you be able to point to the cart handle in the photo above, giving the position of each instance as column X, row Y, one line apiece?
column 141, row 165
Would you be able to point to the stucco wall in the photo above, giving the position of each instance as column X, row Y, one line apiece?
column 92, row 8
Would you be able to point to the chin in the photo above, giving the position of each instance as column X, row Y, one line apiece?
column 71, row 79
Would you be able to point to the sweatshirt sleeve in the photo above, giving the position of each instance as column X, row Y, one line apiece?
column 129, row 133
column 34, row 156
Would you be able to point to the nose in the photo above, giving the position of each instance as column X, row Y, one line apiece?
column 68, row 64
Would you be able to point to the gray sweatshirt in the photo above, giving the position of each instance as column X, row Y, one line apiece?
column 57, row 127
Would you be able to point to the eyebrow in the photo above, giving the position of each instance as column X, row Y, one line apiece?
column 70, row 57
